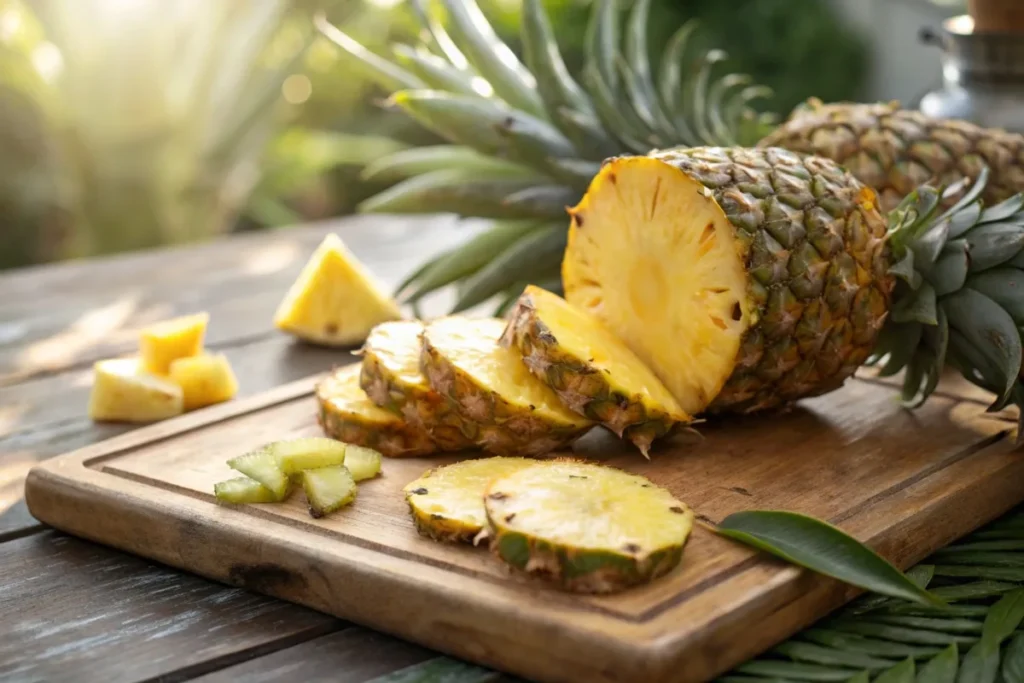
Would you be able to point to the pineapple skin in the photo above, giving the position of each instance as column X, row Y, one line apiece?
column 345, row 413
column 414, row 400
column 582, row 387
column 895, row 150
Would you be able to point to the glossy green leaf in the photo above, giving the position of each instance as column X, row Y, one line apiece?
column 794, row 670
column 671, row 79
column 1015, row 574
column 900, row 340
column 912, row 636
column 950, row 270
column 980, row 664
column 434, row 71
column 543, row 201
column 969, row 197
column 387, row 74
column 901, row 673
column 418, row 160
column 441, row 39
column 638, row 64
column 963, row 221
column 990, row 245
column 928, row 245
column 640, row 105
column 823, row 548
column 948, row 624
column 1012, row 667
column 555, row 84
column 699, row 95
column 862, row 677
column 602, row 43
column 941, row 668
column 830, row 656
column 620, row 121
column 1004, row 617
column 920, row 306
column 1003, row 210
column 450, row 191
column 1003, row 285
column 872, row 646
column 904, row 269
column 990, row 331
column 721, row 128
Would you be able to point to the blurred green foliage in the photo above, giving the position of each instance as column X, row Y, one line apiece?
column 181, row 132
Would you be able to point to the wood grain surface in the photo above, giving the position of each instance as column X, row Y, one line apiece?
column 905, row 482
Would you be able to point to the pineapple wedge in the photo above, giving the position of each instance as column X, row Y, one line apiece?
column 335, row 301
column 242, row 490
column 165, row 342
column 502, row 406
column 205, row 379
column 346, row 414
column 363, row 463
column 588, row 528
column 590, row 369
column 392, row 378
column 328, row 489
column 447, row 503
column 123, row 391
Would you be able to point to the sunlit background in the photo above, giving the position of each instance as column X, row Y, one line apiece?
column 130, row 124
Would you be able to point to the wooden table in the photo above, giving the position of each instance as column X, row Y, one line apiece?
column 71, row 610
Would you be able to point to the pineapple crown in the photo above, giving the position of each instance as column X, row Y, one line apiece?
column 959, row 293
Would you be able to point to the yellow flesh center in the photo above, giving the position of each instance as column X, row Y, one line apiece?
column 589, row 507
column 656, row 259
column 584, row 337
column 471, row 345
column 346, row 397
column 396, row 346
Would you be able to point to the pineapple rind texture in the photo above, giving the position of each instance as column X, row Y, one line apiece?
column 347, row 414
column 895, row 150
column 634, row 531
column 392, row 378
column 590, row 370
column 501, row 406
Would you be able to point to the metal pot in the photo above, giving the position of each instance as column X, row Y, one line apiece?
column 982, row 75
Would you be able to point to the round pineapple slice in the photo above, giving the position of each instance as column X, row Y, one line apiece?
column 346, row 414
column 447, row 503
column 590, row 369
column 587, row 528
column 392, row 378
column 502, row 406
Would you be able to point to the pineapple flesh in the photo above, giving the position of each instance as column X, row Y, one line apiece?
column 123, row 391
column 447, row 503
column 392, row 378
column 347, row 414
column 587, row 528
column 205, row 379
column 165, row 342
column 745, row 279
column 501, row 405
column 335, row 301
column 590, row 369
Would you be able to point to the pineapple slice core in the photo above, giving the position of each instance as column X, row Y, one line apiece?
column 654, row 257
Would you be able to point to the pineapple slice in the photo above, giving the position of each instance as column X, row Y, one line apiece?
column 205, row 379
column 363, row 463
column 392, row 378
column 335, row 301
column 328, row 489
column 241, row 490
column 296, row 455
column 588, row 528
column 501, row 404
column 263, row 467
column 590, row 369
column 123, row 391
column 346, row 414
column 447, row 503
column 163, row 343
column 654, row 257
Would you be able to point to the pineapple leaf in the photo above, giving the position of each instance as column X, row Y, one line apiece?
column 556, row 86
column 720, row 127
column 387, row 74
column 963, row 220
column 901, row 673
column 1002, row 211
column 434, row 71
column 989, row 332
column 416, row 160
column 640, row 81
column 993, row 244
column 602, row 45
column 640, row 105
column 941, row 668
column 920, row 307
column 543, row 201
column 750, row 127
column 670, row 78
column 928, row 246
column 781, row 670
column 1003, row 285
column 596, row 145
column 626, row 128
column 453, row 190
column 442, row 40
column 576, row 173
column 511, row 81
column 699, row 95
column 901, row 344
column 950, row 271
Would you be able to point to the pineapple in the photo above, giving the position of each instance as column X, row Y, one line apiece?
column 590, row 369
column 362, row 463
column 242, row 490
column 328, row 489
column 335, row 301
column 167, row 341
column 264, row 467
column 500, row 405
column 447, row 503
column 588, row 528
column 392, row 378
column 346, row 414
column 123, row 391
column 205, row 379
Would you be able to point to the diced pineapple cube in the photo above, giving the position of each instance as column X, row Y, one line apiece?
column 262, row 466
column 204, row 379
column 335, row 301
column 241, row 490
column 328, row 489
column 164, row 342
column 363, row 463
column 307, row 453
column 123, row 391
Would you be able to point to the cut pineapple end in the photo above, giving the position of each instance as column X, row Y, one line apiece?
column 654, row 257
column 335, row 300
column 262, row 466
column 471, row 346
column 296, row 455
column 164, row 342
column 581, row 335
column 396, row 347
column 123, row 391
column 363, row 463
column 447, row 503
column 205, row 379
column 242, row 490
column 328, row 489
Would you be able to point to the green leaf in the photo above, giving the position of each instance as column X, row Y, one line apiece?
column 1003, row 285
column 418, row 160
column 1015, row 574
column 494, row 60
column 990, row 331
column 434, row 71
column 1002, row 210
column 450, row 191
column 1013, row 660
column 1004, row 617
column 875, row 629
column 670, row 79
column 638, row 64
column 556, row 86
column 871, row 646
column 928, row 246
column 920, row 307
column 990, row 245
column 980, row 665
column 440, row 670
column 952, row 625
column 904, row 269
column 950, row 270
column 901, row 341
column 699, row 95
column 862, row 677
column 830, row 656
column 620, row 121
column 823, row 548
column 963, row 221
column 602, row 43
column 941, row 668
column 794, row 670
column 968, row 199
column 543, row 201
column 720, row 127
column 388, row 75
column 441, row 38
column 901, row 673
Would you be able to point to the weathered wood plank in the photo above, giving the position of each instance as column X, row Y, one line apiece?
column 74, row 611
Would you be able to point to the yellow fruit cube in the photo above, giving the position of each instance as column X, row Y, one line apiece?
column 166, row 341
column 205, row 379
column 335, row 301
column 123, row 391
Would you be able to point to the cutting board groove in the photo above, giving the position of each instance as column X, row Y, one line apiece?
column 905, row 482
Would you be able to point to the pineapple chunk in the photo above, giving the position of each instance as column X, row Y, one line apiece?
column 590, row 369
column 363, row 463
column 242, row 490
column 346, row 414
column 262, row 466
column 296, row 455
column 501, row 404
column 166, row 341
column 335, row 301
column 447, row 503
column 586, row 527
column 123, row 392
column 205, row 379
column 328, row 489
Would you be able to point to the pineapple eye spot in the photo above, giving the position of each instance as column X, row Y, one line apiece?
column 331, row 328
column 737, row 312
column 709, row 232
column 719, row 323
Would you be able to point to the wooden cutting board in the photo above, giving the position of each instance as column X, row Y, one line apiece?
column 906, row 482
